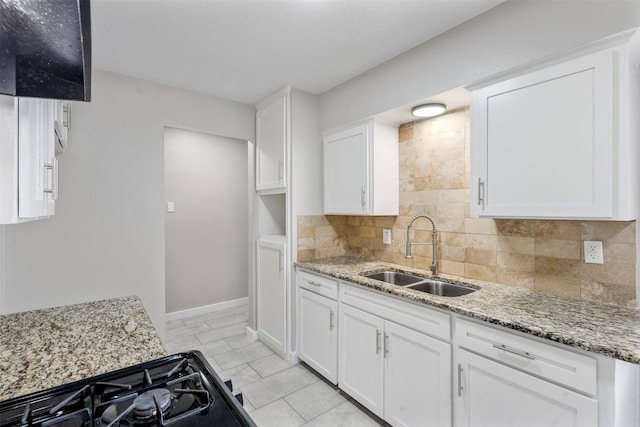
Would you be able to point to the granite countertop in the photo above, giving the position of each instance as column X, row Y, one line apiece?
column 600, row 328
column 50, row 347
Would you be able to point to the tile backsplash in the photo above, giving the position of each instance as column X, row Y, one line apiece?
column 434, row 180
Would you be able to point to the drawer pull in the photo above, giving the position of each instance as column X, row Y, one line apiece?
column 314, row 283
column 514, row 351
column 460, row 380
column 377, row 341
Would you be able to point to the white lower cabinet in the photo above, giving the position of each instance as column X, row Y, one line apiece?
column 271, row 294
column 505, row 379
column 398, row 373
column 360, row 362
column 491, row 394
column 318, row 334
column 417, row 385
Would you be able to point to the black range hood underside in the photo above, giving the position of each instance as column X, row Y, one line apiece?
column 45, row 49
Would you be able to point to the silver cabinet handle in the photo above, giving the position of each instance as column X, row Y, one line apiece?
column 480, row 192
column 386, row 345
column 280, row 261
column 314, row 283
column 377, row 341
column 460, row 380
column 331, row 314
column 515, row 351
column 281, row 170
column 363, row 197
column 66, row 115
column 53, row 189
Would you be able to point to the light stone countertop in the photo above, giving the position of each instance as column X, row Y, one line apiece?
column 46, row 348
column 605, row 329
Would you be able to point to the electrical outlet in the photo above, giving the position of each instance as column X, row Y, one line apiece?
column 386, row 236
column 593, row 252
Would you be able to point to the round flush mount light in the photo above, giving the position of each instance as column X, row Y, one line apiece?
column 428, row 110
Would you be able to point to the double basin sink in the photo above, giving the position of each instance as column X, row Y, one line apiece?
column 422, row 284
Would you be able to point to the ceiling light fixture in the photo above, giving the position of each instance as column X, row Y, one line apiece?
column 428, row 110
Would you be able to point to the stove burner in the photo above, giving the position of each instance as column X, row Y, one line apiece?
column 144, row 406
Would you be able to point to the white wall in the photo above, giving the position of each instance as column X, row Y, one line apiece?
column 206, row 236
column 107, row 237
column 509, row 35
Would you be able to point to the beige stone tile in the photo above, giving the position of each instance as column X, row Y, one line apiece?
column 619, row 252
column 452, row 253
column 609, row 231
column 559, row 230
column 452, row 210
column 480, row 226
column 520, row 279
column 324, row 231
column 558, row 248
column 480, row 272
column 306, row 231
column 451, row 225
column 306, row 243
column 324, row 220
column 385, row 221
column 515, row 227
column 558, row 285
column 622, row 295
column 452, row 239
column 453, row 268
column 480, row 256
column 405, row 132
column 516, row 262
column 481, row 241
column 514, row 244
column 329, row 252
column 367, row 231
column 558, row 266
column 614, row 273
column 451, row 196
column 306, row 254
column 305, row 221
column 327, row 242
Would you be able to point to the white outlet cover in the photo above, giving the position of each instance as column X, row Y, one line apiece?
column 386, row 236
column 593, row 252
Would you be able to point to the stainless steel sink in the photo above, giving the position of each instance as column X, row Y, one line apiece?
column 444, row 289
column 422, row 284
column 394, row 277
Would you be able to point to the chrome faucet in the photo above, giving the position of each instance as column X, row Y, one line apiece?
column 433, row 243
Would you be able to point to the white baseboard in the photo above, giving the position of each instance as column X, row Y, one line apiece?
column 205, row 309
column 251, row 334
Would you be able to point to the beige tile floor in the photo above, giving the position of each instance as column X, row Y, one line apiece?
column 276, row 393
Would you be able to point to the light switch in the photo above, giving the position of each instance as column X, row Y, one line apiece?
column 171, row 207
column 386, row 236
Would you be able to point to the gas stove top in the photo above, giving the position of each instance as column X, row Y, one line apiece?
column 179, row 390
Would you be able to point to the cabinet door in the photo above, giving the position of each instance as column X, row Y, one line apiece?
column 543, row 143
column 271, row 137
column 271, row 293
column 417, row 385
column 346, row 160
column 360, row 357
column 491, row 394
column 317, row 334
column 36, row 158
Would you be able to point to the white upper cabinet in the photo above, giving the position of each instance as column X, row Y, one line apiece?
column 558, row 141
column 361, row 170
column 29, row 168
column 272, row 133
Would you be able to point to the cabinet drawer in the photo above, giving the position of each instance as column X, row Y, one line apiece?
column 416, row 317
column 319, row 284
column 546, row 361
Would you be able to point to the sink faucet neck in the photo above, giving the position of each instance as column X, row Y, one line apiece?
column 433, row 243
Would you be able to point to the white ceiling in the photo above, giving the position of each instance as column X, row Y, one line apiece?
column 244, row 50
